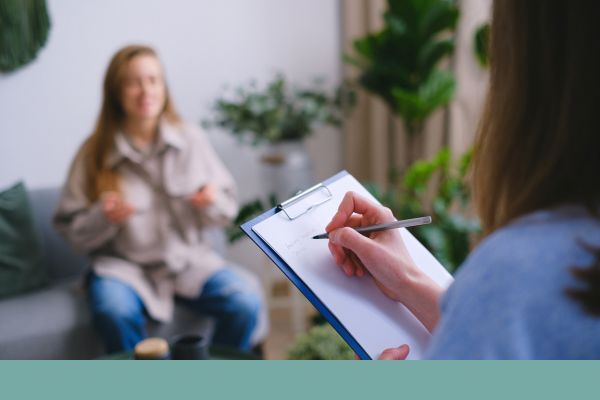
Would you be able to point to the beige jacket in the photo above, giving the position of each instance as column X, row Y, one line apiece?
column 160, row 250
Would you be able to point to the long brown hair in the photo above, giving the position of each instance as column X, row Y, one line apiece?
column 99, row 176
column 539, row 137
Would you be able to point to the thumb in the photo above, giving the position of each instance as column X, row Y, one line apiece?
column 352, row 240
column 399, row 353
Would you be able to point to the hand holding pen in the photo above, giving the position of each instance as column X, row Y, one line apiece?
column 383, row 255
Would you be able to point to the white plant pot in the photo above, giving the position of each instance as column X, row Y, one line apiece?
column 286, row 168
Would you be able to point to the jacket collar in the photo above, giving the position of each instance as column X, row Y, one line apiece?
column 168, row 136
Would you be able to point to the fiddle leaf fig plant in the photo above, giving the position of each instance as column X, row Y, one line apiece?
column 401, row 62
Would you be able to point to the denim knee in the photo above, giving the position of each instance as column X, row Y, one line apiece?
column 245, row 305
column 114, row 300
column 118, row 313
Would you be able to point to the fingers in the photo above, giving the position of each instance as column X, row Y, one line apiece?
column 354, row 203
column 205, row 196
column 355, row 221
column 120, row 215
column 115, row 208
column 353, row 241
column 358, row 267
column 347, row 260
column 343, row 251
column 123, row 212
column 110, row 200
column 399, row 353
column 344, row 212
column 197, row 199
column 209, row 191
column 337, row 252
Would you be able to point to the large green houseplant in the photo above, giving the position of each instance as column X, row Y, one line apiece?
column 405, row 64
column 401, row 62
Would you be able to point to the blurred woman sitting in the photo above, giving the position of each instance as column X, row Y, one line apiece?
column 138, row 196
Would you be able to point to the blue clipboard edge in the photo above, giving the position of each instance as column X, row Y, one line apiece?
column 295, row 279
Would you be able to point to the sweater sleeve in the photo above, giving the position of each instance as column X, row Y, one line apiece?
column 81, row 223
column 484, row 312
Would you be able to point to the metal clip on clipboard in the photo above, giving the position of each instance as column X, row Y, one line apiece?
column 288, row 204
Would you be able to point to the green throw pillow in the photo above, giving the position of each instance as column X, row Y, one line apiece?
column 21, row 267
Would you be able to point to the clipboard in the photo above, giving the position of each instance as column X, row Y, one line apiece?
column 322, row 195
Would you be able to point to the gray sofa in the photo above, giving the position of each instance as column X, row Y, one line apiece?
column 54, row 322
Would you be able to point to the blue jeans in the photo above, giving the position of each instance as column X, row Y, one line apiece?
column 119, row 314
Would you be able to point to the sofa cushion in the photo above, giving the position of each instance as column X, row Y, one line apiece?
column 52, row 323
column 61, row 261
column 21, row 267
column 55, row 323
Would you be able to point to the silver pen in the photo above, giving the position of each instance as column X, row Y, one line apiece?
column 404, row 223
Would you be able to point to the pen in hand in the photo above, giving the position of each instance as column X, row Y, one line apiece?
column 365, row 230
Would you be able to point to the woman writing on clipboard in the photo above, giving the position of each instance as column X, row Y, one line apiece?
column 138, row 197
column 531, row 288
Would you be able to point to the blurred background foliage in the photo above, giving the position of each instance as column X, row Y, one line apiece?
column 437, row 187
column 280, row 111
column 321, row 342
column 401, row 62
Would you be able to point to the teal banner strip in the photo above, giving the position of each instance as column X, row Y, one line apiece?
column 297, row 379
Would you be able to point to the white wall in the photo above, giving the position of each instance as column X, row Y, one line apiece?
column 48, row 107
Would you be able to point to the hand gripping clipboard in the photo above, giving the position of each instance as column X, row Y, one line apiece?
column 313, row 204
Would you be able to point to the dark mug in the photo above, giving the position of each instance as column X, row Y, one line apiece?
column 189, row 347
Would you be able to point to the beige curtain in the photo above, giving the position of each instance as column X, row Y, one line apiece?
column 373, row 137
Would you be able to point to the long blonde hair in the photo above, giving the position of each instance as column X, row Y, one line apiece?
column 99, row 176
column 539, row 139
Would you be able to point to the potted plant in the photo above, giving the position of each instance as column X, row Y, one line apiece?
column 281, row 116
column 401, row 62
column 404, row 64
column 321, row 342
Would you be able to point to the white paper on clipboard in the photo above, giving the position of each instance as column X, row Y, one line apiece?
column 375, row 321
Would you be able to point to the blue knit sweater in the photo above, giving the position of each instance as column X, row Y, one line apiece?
column 508, row 300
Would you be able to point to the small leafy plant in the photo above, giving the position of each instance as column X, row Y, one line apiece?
column 280, row 112
column 321, row 342
column 248, row 211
